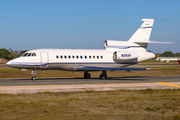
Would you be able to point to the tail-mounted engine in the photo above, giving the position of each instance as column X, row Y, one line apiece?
column 124, row 55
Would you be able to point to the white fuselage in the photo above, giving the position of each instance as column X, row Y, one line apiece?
column 70, row 59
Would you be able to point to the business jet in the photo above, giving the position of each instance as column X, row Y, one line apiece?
column 116, row 56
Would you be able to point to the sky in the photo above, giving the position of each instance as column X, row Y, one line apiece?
column 86, row 24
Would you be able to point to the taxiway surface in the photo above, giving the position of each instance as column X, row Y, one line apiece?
column 60, row 81
column 14, row 86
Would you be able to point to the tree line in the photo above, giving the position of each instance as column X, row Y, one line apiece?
column 169, row 54
column 10, row 54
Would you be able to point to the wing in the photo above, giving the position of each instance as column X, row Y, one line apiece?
column 108, row 69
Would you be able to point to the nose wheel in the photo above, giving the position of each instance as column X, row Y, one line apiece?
column 33, row 75
column 33, row 78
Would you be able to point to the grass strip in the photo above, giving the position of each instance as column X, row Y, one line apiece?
column 120, row 104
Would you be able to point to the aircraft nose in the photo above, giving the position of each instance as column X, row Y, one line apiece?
column 9, row 63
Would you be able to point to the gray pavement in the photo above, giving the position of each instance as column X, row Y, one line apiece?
column 84, row 87
column 15, row 86
column 55, row 81
column 5, row 67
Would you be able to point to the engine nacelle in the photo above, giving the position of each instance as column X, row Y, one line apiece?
column 124, row 55
column 112, row 43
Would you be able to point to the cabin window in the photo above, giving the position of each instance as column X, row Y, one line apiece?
column 77, row 57
column 57, row 56
column 101, row 57
column 81, row 57
column 85, row 57
column 69, row 57
column 89, row 57
column 93, row 57
column 61, row 56
column 97, row 57
column 65, row 57
column 73, row 57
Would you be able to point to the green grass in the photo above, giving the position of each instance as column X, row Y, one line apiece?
column 93, row 105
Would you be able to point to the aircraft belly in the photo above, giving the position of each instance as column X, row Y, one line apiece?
column 72, row 67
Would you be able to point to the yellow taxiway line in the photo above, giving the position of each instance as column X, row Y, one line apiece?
column 164, row 83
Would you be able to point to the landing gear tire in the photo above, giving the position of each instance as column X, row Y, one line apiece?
column 103, row 75
column 33, row 75
column 33, row 78
column 87, row 75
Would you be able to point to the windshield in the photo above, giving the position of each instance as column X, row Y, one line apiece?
column 34, row 54
column 24, row 54
column 28, row 54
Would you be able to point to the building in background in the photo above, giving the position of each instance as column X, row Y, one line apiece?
column 167, row 59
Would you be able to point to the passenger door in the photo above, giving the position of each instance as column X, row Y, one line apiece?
column 44, row 60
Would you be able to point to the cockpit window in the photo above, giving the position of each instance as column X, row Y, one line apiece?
column 24, row 55
column 29, row 54
column 34, row 54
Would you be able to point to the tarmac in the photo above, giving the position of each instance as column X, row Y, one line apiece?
column 18, row 86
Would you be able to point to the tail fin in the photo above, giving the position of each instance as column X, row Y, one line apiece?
column 138, row 41
column 142, row 35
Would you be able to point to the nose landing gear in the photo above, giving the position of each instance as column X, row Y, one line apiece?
column 33, row 75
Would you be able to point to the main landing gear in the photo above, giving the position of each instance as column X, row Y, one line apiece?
column 33, row 75
column 87, row 75
column 102, row 76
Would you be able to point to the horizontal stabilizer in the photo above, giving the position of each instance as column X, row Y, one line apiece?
column 153, row 42
column 108, row 69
